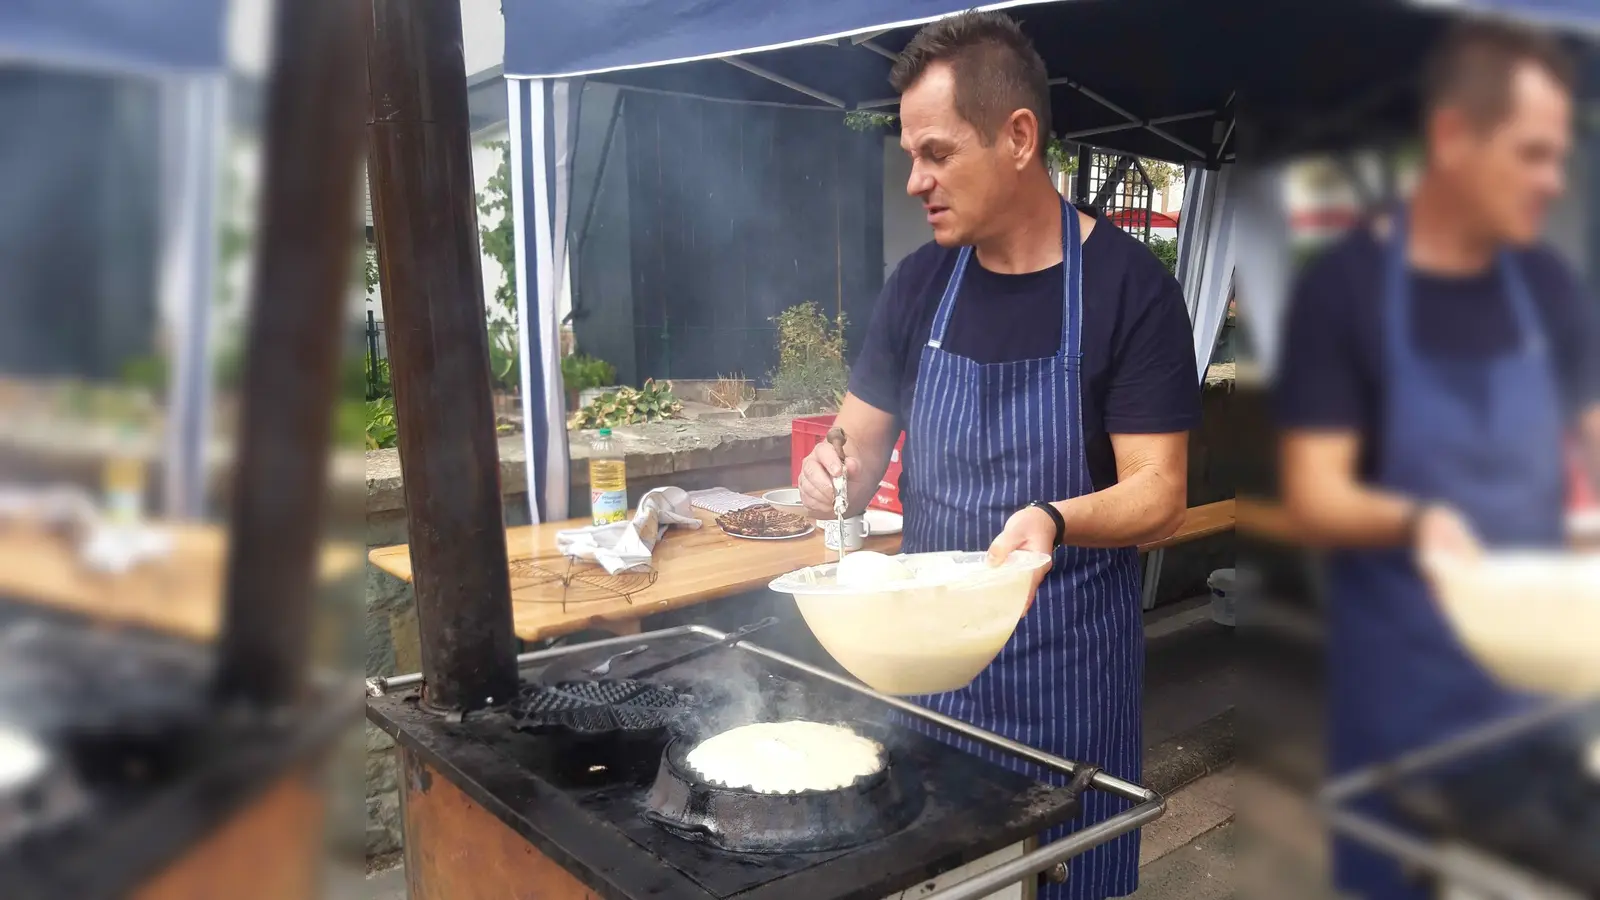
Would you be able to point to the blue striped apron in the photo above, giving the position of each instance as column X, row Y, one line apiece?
column 984, row 441
column 1485, row 436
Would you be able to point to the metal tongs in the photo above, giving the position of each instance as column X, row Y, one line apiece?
column 841, row 496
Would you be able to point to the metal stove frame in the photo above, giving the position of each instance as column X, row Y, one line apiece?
column 1457, row 868
column 1148, row 805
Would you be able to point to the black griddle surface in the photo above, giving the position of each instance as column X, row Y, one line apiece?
column 1530, row 802
column 592, row 824
column 133, row 827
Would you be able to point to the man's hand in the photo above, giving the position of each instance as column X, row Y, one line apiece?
column 1447, row 551
column 1443, row 538
column 816, row 478
column 1028, row 529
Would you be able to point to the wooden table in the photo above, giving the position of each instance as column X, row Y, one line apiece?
column 180, row 593
column 691, row 567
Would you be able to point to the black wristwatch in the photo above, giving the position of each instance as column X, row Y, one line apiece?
column 1055, row 516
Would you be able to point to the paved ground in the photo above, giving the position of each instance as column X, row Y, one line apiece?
column 1200, row 870
column 1190, row 676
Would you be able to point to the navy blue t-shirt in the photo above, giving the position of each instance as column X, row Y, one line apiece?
column 1332, row 370
column 1138, row 368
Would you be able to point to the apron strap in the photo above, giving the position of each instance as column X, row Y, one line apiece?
column 1071, row 289
column 1398, row 295
column 947, row 303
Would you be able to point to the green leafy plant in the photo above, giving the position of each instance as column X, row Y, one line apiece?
column 148, row 373
column 369, row 267
column 811, row 371
column 381, row 429
column 580, row 372
column 1166, row 250
column 654, row 402
column 505, row 364
column 349, row 423
column 377, row 381
column 867, row 120
column 499, row 239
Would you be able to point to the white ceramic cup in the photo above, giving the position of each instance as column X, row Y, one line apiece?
column 855, row 533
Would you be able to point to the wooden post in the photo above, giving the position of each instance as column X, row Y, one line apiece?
column 425, row 215
column 313, row 147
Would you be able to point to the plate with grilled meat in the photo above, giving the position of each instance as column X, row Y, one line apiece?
column 763, row 523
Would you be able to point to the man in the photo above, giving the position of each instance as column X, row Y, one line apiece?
column 1434, row 366
column 1041, row 365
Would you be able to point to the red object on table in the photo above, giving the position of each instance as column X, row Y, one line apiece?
column 1582, row 496
column 809, row 431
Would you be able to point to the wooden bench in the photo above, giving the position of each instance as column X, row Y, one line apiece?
column 1198, row 522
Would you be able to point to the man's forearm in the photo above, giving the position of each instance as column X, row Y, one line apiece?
column 1353, row 515
column 1145, row 506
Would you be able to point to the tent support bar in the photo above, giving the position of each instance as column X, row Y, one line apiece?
column 791, row 84
column 1158, row 132
column 878, row 104
column 869, row 35
column 1144, row 123
column 881, row 51
column 710, row 99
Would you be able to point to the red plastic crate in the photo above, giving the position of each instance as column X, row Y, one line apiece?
column 809, row 431
column 1582, row 498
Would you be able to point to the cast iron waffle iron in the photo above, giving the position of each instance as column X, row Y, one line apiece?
column 601, row 725
column 873, row 807
column 593, row 820
column 1534, row 803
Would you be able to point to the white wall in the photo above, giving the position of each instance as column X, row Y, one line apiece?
column 1570, row 220
column 483, row 34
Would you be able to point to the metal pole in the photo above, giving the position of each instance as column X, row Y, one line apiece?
column 1080, row 190
column 308, row 222
column 425, row 216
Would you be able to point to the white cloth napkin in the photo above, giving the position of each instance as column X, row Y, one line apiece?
column 621, row 546
column 103, row 546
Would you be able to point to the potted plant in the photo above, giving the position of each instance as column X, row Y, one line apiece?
column 580, row 373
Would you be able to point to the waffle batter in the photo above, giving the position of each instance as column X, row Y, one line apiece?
column 786, row 757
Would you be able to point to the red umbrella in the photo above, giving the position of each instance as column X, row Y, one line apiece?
column 1135, row 218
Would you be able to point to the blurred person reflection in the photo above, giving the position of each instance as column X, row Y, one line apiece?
column 1435, row 363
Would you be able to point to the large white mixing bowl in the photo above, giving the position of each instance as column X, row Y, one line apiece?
column 1531, row 618
column 929, row 635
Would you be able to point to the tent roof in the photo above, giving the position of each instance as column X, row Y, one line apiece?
column 146, row 36
column 1307, row 74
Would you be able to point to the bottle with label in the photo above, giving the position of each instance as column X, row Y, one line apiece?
column 608, row 480
column 123, row 480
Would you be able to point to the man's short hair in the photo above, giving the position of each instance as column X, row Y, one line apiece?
column 996, row 68
column 1473, row 66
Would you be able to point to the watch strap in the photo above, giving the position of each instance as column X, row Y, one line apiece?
column 1055, row 516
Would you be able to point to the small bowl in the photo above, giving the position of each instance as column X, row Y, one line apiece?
column 785, row 500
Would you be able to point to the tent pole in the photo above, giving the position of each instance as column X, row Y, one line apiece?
column 880, row 50
column 1158, row 132
column 789, row 83
column 425, row 215
column 1129, row 126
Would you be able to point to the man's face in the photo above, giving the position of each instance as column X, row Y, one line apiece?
column 963, row 185
column 1510, row 172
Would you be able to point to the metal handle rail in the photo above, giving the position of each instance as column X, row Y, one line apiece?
column 1148, row 805
column 1386, row 838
